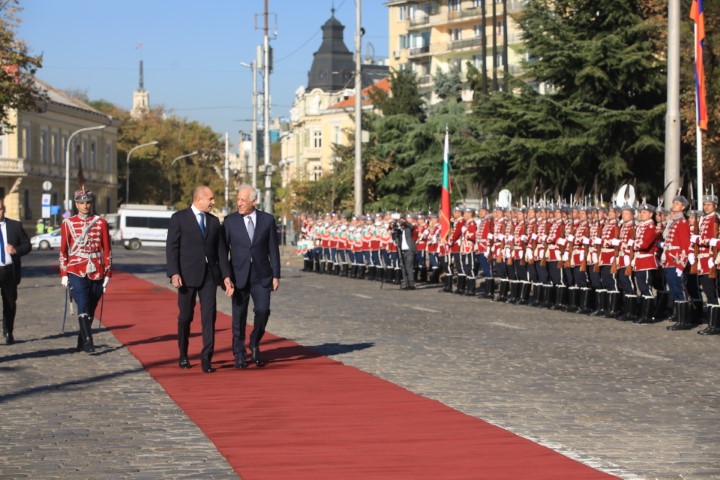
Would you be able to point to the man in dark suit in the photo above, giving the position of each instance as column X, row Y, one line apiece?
column 14, row 243
column 197, row 263
column 255, row 258
column 405, row 233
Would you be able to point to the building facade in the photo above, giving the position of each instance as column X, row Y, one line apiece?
column 427, row 36
column 33, row 156
column 319, row 119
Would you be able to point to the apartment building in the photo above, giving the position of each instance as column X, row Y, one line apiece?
column 427, row 36
column 32, row 157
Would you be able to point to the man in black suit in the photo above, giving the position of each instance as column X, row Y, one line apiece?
column 255, row 258
column 197, row 263
column 405, row 236
column 14, row 243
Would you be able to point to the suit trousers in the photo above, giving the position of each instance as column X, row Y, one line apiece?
column 261, row 308
column 8, row 289
column 208, row 313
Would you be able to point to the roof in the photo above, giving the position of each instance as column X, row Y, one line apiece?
column 383, row 85
column 61, row 98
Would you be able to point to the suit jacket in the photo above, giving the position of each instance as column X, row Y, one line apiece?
column 17, row 237
column 188, row 252
column 263, row 250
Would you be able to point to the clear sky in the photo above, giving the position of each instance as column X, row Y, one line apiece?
column 191, row 50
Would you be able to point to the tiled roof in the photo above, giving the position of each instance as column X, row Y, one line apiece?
column 383, row 85
column 58, row 96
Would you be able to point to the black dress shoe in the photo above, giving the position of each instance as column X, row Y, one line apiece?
column 259, row 362
column 709, row 331
column 240, row 362
column 9, row 339
column 184, row 363
column 208, row 368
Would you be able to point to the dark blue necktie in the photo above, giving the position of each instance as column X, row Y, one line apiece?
column 201, row 222
column 2, row 246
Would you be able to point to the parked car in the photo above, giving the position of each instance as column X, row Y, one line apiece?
column 46, row 241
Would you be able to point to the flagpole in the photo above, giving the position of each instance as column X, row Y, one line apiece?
column 698, row 131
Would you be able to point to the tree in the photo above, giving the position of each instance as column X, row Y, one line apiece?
column 18, row 89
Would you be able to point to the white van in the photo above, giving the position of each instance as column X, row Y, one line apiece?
column 142, row 224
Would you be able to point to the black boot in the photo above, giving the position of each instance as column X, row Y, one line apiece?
column 448, row 283
column 435, row 275
column 380, row 274
column 573, row 302
column 525, row 288
column 629, row 312
column 371, row 272
column 397, row 276
column 488, row 289
column 613, row 304
column 423, row 275
column 502, row 291
column 714, row 322
column 662, row 310
column 685, row 319
column 647, row 308
column 461, row 284
column 470, row 286
column 601, row 297
column 548, row 296
column 586, row 298
column 560, row 299
column 86, row 330
column 514, row 292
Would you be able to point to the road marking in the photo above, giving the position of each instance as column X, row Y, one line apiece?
column 426, row 309
column 361, row 295
column 643, row 354
column 506, row 325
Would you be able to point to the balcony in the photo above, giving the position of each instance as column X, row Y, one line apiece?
column 12, row 166
column 419, row 51
column 462, row 44
column 419, row 21
column 424, row 79
column 516, row 6
column 456, row 15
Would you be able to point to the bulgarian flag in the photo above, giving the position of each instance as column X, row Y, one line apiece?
column 445, row 194
column 698, row 16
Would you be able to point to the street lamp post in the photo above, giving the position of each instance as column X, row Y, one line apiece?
column 127, row 168
column 172, row 164
column 67, row 161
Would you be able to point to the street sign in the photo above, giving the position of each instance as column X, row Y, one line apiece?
column 47, row 186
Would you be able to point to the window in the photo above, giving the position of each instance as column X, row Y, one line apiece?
column 44, row 147
column 317, row 138
column 26, row 205
column 478, row 30
column 55, row 148
column 403, row 12
column 108, row 158
column 455, row 34
column 454, row 5
column 476, row 3
column 500, row 60
column 404, row 41
column 63, row 147
column 26, row 143
column 477, row 61
column 93, row 155
column 500, row 28
column 316, row 172
column 3, row 143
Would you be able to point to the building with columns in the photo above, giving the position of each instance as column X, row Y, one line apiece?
column 34, row 153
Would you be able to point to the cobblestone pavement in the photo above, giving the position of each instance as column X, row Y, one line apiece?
column 636, row 401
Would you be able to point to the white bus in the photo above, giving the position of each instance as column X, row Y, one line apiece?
column 142, row 224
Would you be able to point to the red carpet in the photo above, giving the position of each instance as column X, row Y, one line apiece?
column 306, row 416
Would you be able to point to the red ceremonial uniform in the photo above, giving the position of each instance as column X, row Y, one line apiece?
column 555, row 240
column 610, row 232
column 627, row 240
column 456, row 235
column 581, row 240
column 85, row 254
column 645, row 247
column 707, row 231
column 677, row 243
column 468, row 237
column 483, row 234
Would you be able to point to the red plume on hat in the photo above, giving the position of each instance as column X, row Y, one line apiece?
column 81, row 195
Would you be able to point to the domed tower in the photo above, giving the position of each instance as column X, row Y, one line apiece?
column 333, row 65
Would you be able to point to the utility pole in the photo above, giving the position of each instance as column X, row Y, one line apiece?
column 672, row 116
column 358, row 112
column 227, row 173
column 268, row 207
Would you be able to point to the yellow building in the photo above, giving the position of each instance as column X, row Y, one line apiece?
column 316, row 122
column 32, row 157
column 439, row 35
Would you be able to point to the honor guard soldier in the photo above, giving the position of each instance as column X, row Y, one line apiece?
column 467, row 251
column 539, row 239
column 518, row 241
column 498, row 240
column 433, row 241
column 454, row 243
column 676, row 248
column 623, row 262
column 421, row 258
column 555, row 246
column 85, row 262
column 483, row 237
column 580, row 294
column 644, row 261
column 707, row 240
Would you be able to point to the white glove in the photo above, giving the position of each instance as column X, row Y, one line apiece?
column 660, row 244
column 507, row 253
column 694, row 238
column 528, row 252
column 565, row 257
column 511, row 238
column 713, row 242
column 561, row 242
column 631, row 242
column 534, row 236
column 586, row 241
column 105, row 283
column 626, row 260
column 523, row 238
column 597, row 241
column 64, row 281
column 615, row 242
column 594, row 257
column 501, row 237
column 679, row 272
column 582, row 255
column 711, row 264
column 571, row 238
column 490, row 236
column 691, row 258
